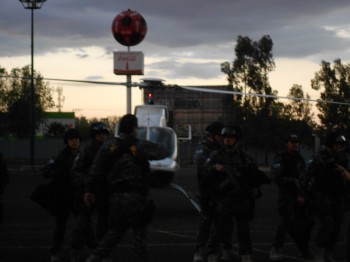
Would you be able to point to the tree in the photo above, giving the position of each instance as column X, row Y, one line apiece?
column 112, row 121
column 334, row 85
column 15, row 91
column 55, row 130
column 249, row 74
column 299, row 108
column 265, row 120
column 83, row 125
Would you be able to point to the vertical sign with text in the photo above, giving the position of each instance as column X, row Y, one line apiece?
column 128, row 63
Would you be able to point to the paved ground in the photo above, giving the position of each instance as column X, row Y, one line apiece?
column 25, row 235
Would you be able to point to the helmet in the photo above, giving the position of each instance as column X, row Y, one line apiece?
column 334, row 137
column 340, row 140
column 293, row 138
column 232, row 131
column 127, row 124
column 214, row 128
column 98, row 128
column 70, row 134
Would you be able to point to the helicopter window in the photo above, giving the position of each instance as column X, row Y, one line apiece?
column 164, row 137
column 142, row 133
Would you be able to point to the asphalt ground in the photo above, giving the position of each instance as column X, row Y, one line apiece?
column 25, row 234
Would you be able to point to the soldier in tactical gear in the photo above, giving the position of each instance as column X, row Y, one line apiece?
column 4, row 179
column 287, row 170
column 59, row 171
column 327, row 177
column 123, row 163
column 84, row 233
column 231, row 193
column 203, row 151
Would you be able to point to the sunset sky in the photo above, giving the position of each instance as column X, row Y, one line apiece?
column 185, row 44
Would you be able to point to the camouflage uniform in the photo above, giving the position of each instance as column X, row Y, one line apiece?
column 231, row 195
column 84, row 234
column 287, row 170
column 202, row 153
column 123, row 163
column 328, row 189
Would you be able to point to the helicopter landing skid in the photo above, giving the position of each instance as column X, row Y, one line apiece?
column 187, row 195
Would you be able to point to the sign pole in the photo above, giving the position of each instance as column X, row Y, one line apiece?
column 129, row 29
column 128, row 94
column 128, row 91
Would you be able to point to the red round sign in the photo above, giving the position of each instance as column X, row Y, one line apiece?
column 129, row 28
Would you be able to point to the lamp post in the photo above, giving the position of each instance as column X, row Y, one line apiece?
column 32, row 5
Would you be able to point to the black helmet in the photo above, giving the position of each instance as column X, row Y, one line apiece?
column 214, row 128
column 232, row 131
column 333, row 138
column 127, row 124
column 71, row 133
column 293, row 138
column 340, row 140
column 98, row 128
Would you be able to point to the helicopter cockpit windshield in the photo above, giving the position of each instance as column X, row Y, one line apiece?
column 161, row 135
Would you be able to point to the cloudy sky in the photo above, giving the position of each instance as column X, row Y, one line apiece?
column 185, row 43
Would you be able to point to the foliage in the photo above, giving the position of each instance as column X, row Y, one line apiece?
column 267, row 119
column 249, row 74
column 334, row 85
column 15, row 91
column 270, row 132
column 82, row 124
column 299, row 108
column 55, row 130
column 111, row 122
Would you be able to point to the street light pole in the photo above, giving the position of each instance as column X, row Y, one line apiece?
column 32, row 4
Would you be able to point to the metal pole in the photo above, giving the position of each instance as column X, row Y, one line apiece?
column 128, row 94
column 32, row 97
column 32, row 4
column 128, row 91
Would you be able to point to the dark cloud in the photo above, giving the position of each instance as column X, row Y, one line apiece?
column 182, row 29
column 94, row 78
column 186, row 70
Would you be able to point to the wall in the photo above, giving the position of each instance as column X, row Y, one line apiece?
column 20, row 148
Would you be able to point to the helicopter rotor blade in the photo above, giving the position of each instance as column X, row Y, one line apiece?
column 89, row 81
column 134, row 84
column 75, row 81
column 208, row 90
column 190, row 88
